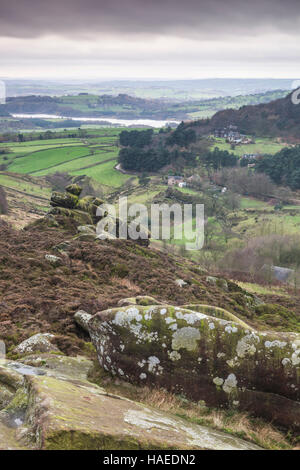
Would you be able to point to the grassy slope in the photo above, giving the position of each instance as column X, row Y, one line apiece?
column 261, row 146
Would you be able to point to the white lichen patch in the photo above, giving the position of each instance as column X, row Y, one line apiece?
column 247, row 345
column 186, row 338
column 211, row 326
column 285, row 361
column 123, row 318
column 230, row 384
column 233, row 362
column 296, row 357
column 231, row 329
column 275, row 344
column 296, row 344
column 174, row 355
column 173, row 327
column 153, row 365
column 192, row 317
column 40, row 341
column 220, row 354
column 163, row 311
column 170, row 320
column 143, row 376
column 218, row 381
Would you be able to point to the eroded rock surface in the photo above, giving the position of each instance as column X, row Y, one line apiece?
column 65, row 411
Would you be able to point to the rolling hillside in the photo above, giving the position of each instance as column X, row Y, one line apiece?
column 124, row 106
column 279, row 118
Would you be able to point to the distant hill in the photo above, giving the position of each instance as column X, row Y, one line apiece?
column 279, row 118
column 124, row 106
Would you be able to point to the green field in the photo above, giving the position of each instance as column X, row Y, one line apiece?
column 44, row 159
column 261, row 146
column 95, row 157
column 20, row 184
column 105, row 174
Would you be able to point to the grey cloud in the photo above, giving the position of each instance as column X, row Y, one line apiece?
column 75, row 18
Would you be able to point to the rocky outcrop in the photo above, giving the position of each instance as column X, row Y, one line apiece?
column 67, row 414
column 81, row 216
column 203, row 357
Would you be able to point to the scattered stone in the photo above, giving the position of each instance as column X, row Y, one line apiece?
column 39, row 342
column 54, row 260
column 87, row 229
column 218, row 282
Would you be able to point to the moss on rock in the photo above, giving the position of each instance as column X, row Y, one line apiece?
column 184, row 351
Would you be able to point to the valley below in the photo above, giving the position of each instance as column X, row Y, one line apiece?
column 129, row 344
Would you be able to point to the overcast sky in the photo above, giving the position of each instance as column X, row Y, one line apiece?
column 89, row 39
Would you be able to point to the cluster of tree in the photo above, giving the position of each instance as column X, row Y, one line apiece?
column 136, row 138
column 139, row 159
column 283, row 167
column 267, row 250
column 244, row 181
column 182, row 136
column 217, row 159
column 145, row 151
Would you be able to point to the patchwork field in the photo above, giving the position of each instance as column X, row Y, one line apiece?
column 95, row 157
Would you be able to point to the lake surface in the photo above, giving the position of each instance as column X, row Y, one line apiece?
column 121, row 122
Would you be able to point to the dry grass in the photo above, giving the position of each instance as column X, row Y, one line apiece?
column 236, row 423
column 124, row 282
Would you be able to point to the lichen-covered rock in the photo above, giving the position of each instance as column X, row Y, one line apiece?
column 80, row 217
column 39, row 342
column 9, row 378
column 218, row 282
column 63, row 411
column 186, row 351
column 6, row 395
column 67, row 200
column 90, row 205
column 68, row 415
column 217, row 312
column 82, row 318
column 138, row 300
column 8, row 439
column 87, row 229
column 54, row 260
column 74, row 189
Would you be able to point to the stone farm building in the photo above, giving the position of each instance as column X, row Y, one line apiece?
column 176, row 181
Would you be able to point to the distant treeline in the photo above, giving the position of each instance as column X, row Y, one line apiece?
column 147, row 151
